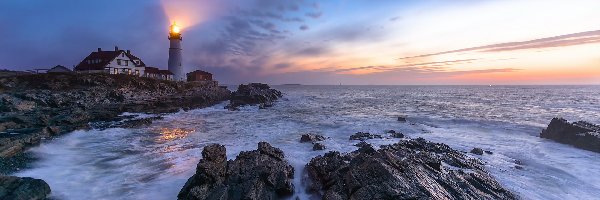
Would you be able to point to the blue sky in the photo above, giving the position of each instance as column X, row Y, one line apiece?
column 321, row 42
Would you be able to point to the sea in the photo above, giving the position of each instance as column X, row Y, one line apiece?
column 154, row 162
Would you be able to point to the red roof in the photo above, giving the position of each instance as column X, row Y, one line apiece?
column 105, row 57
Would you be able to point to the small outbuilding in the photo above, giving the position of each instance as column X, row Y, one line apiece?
column 199, row 75
column 59, row 69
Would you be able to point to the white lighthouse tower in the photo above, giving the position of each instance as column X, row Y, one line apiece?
column 175, row 66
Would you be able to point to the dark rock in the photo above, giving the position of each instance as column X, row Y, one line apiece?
column 488, row 152
column 253, row 94
column 311, row 138
column 318, row 146
column 397, row 135
column 518, row 167
column 391, row 131
column 477, row 151
column 257, row 174
column 17, row 188
column 409, row 169
column 362, row 144
column 580, row 134
column 364, row 136
column 402, row 119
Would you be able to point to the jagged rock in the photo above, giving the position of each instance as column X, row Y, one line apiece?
column 397, row 135
column 402, row 119
column 477, row 151
column 17, row 188
column 364, row 136
column 253, row 94
column 488, row 152
column 38, row 106
column 318, row 146
column 580, row 134
column 362, row 144
column 409, row 169
column 311, row 138
column 259, row 174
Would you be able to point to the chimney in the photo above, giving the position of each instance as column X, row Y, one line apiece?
column 116, row 48
column 128, row 52
column 99, row 49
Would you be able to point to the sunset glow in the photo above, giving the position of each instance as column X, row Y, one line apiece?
column 388, row 42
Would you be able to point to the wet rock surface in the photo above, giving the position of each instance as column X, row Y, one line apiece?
column 259, row 174
column 318, row 147
column 17, row 188
column 409, row 169
column 477, row 151
column 580, row 134
column 39, row 106
column 362, row 136
column 253, row 94
column 311, row 138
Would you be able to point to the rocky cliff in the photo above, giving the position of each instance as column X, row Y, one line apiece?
column 38, row 106
column 579, row 134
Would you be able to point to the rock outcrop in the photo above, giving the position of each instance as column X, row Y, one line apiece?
column 311, row 138
column 253, row 94
column 477, row 151
column 580, row 134
column 17, row 188
column 39, row 106
column 409, row 169
column 259, row 174
column 362, row 136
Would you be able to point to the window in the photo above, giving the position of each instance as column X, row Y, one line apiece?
column 137, row 72
column 126, row 62
column 118, row 61
column 116, row 71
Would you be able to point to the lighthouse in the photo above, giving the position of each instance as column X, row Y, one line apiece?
column 175, row 66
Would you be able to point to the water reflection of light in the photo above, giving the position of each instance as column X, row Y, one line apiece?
column 174, row 133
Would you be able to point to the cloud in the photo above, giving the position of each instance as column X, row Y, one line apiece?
column 395, row 18
column 314, row 15
column 438, row 66
column 303, row 27
column 312, row 51
column 549, row 42
column 282, row 65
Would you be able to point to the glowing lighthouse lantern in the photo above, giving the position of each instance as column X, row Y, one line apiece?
column 175, row 59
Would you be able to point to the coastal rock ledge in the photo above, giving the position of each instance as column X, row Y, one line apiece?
column 253, row 94
column 257, row 174
column 17, row 188
column 409, row 169
column 580, row 134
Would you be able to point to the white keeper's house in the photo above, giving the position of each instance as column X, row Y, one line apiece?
column 119, row 62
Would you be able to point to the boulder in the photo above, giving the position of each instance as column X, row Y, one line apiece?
column 362, row 136
column 477, row 151
column 259, row 174
column 17, row 188
column 580, row 134
column 253, row 94
column 318, row 147
column 311, row 138
column 397, row 135
column 402, row 119
column 409, row 169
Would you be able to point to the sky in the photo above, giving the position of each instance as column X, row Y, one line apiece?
column 350, row 42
